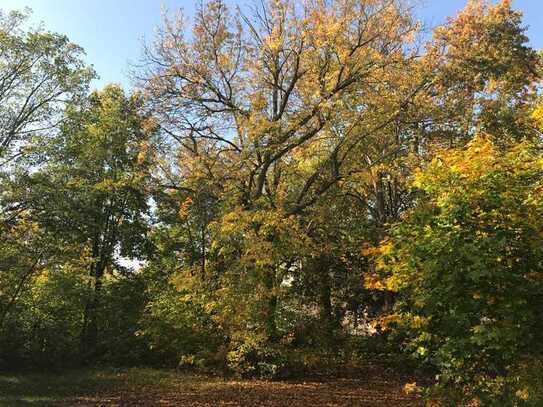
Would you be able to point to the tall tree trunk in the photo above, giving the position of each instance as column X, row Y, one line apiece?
column 327, row 319
column 93, row 314
column 380, row 206
column 203, row 244
column 380, row 221
column 89, row 335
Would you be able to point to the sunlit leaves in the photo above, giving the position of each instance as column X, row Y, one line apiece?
column 469, row 257
column 39, row 72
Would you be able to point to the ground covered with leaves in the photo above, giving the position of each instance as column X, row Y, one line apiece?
column 153, row 387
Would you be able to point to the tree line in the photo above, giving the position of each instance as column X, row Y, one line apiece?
column 289, row 186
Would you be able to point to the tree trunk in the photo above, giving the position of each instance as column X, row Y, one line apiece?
column 271, row 306
column 93, row 315
column 380, row 221
column 327, row 319
column 380, row 207
column 203, row 244
column 89, row 335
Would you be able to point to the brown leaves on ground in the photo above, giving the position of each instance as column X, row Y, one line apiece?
column 372, row 388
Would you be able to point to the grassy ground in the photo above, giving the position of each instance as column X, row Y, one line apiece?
column 153, row 387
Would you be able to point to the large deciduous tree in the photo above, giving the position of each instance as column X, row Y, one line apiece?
column 260, row 103
column 90, row 189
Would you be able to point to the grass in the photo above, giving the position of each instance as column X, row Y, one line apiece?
column 151, row 387
column 52, row 388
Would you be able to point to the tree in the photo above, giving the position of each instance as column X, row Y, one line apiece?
column 276, row 111
column 91, row 188
column 467, row 264
column 473, row 85
column 254, row 102
column 486, row 74
column 25, row 249
column 40, row 72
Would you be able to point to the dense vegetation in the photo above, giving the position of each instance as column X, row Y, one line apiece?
column 290, row 187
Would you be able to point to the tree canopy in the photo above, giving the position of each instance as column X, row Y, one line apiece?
column 290, row 186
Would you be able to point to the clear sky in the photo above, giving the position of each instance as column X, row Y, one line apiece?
column 111, row 31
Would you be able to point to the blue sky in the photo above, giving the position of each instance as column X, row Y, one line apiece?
column 111, row 31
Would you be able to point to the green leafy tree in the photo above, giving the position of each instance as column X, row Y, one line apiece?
column 467, row 262
column 486, row 74
column 90, row 189
column 40, row 72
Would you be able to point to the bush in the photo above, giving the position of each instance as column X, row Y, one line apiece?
column 176, row 326
column 190, row 362
column 251, row 360
column 42, row 327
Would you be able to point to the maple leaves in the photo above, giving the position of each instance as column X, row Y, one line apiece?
column 468, row 262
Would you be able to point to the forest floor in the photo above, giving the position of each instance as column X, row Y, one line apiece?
column 154, row 387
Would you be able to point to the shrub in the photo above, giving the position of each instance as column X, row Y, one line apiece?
column 252, row 360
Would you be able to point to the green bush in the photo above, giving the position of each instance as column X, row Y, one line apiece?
column 251, row 360
column 175, row 327
column 42, row 328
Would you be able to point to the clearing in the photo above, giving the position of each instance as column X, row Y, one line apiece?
column 159, row 387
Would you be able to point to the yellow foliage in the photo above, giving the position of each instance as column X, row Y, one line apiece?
column 410, row 388
column 537, row 116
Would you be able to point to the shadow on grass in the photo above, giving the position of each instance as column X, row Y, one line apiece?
column 50, row 388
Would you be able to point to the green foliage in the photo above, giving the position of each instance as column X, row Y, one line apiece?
column 81, row 207
column 122, row 305
column 223, row 216
column 43, row 327
column 467, row 264
column 251, row 359
column 40, row 71
column 175, row 327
